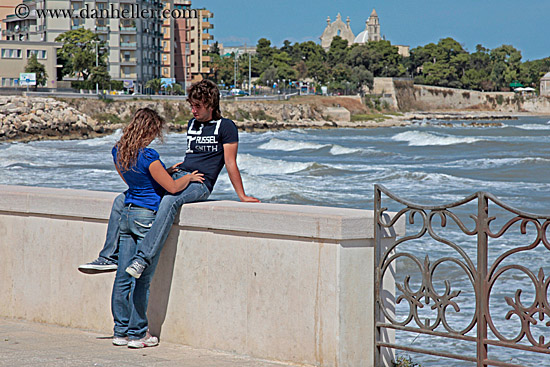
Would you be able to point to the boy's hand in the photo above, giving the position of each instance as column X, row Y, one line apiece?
column 174, row 168
column 249, row 199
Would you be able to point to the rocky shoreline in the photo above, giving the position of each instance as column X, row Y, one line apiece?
column 35, row 118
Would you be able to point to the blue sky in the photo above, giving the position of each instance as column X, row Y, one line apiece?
column 525, row 24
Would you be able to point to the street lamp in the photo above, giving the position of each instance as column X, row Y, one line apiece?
column 235, row 72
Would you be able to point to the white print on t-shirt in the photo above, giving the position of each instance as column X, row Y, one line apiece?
column 206, row 140
column 189, row 141
column 218, row 123
column 192, row 131
column 210, row 139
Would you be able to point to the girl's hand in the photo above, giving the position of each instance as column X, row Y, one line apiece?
column 196, row 177
column 174, row 168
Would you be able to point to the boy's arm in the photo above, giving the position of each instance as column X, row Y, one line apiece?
column 230, row 156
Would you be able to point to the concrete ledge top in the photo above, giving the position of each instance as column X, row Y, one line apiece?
column 271, row 219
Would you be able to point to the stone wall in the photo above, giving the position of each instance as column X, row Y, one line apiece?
column 279, row 282
column 428, row 98
column 24, row 118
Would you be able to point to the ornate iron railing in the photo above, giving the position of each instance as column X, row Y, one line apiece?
column 485, row 269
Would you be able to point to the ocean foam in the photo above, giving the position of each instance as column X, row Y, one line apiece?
column 290, row 145
column 104, row 140
column 533, row 127
column 263, row 166
column 340, row 150
column 421, row 139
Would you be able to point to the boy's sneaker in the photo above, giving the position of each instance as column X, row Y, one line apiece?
column 99, row 265
column 135, row 269
column 120, row 341
column 148, row 341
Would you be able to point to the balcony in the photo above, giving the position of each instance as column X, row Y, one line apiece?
column 132, row 29
column 205, row 47
column 128, row 76
column 130, row 61
column 75, row 27
column 128, row 45
column 207, row 36
column 207, row 25
column 102, row 29
column 206, row 59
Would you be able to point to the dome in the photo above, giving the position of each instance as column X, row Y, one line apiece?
column 362, row 37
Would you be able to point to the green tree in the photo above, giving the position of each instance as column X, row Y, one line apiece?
column 33, row 66
column 222, row 69
column 100, row 76
column 478, row 69
column 154, row 84
column 78, row 53
column 440, row 64
column 174, row 88
column 379, row 57
column 361, row 77
column 532, row 71
column 506, row 61
column 338, row 51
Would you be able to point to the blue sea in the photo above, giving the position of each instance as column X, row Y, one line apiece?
column 426, row 162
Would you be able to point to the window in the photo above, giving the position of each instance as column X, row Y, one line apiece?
column 40, row 54
column 9, row 82
column 10, row 53
column 164, row 58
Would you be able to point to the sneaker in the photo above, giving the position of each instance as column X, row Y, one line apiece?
column 99, row 265
column 135, row 269
column 120, row 341
column 148, row 341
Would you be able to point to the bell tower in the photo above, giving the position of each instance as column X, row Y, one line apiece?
column 373, row 26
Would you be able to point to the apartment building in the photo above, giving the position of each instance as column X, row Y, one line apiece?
column 7, row 7
column 185, row 43
column 134, row 45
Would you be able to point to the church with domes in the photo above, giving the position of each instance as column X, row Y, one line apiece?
column 343, row 29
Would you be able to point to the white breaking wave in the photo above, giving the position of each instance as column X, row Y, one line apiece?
column 421, row 138
column 109, row 139
column 534, row 127
column 494, row 162
column 289, row 145
column 263, row 166
column 340, row 150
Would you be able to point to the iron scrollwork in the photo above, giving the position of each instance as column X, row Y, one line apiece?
column 481, row 276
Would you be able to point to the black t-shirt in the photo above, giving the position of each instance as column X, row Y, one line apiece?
column 205, row 142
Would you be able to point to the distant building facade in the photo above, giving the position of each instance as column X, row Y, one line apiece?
column 133, row 44
column 370, row 33
column 138, row 49
column 7, row 7
column 14, row 56
column 545, row 85
column 185, row 44
column 336, row 28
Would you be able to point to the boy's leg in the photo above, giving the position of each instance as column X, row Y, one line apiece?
column 108, row 256
column 153, row 242
column 140, row 222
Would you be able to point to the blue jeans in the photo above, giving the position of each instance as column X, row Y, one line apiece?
column 154, row 241
column 130, row 296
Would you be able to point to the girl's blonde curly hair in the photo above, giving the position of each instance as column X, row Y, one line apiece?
column 145, row 127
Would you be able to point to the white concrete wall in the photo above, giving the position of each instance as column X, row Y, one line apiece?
column 280, row 282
